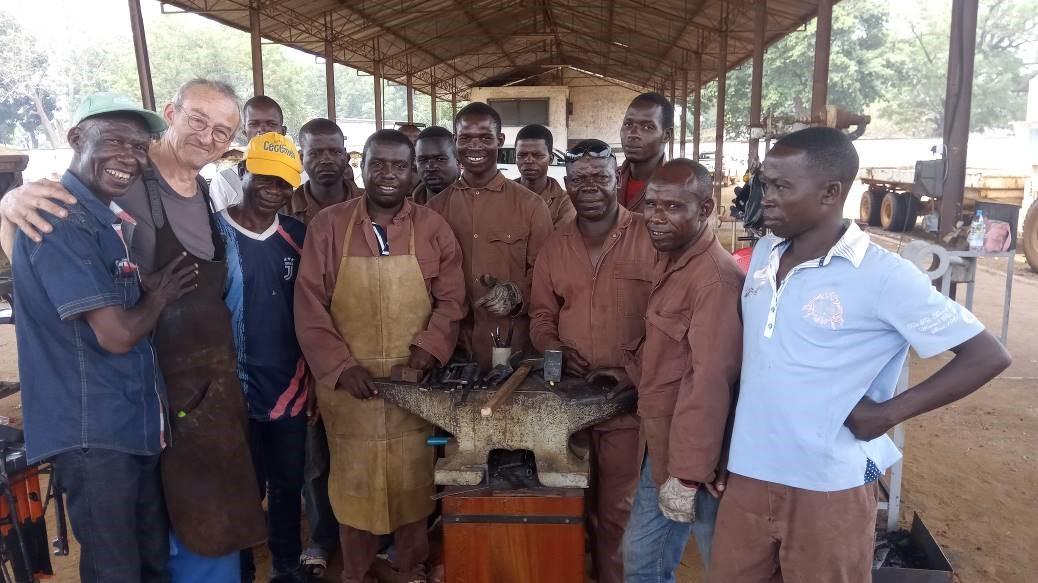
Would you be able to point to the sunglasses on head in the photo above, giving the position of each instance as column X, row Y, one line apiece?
column 599, row 150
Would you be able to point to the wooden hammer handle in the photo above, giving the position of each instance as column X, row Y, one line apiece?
column 506, row 390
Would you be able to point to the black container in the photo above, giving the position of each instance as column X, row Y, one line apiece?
column 936, row 569
column 997, row 211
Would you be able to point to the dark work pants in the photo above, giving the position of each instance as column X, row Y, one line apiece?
column 117, row 513
column 324, row 528
column 277, row 454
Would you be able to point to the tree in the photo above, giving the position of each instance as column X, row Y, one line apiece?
column 859, row 72
column 24, row 100
column 1007, row 34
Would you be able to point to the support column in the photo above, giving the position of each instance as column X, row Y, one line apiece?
column 454, row 109
column 410, row 100
column 697, row 105
column 140, row 50
column 257, row 49
column 958, row 97
column 823, row 43
column 432, row 104
column 329, row 79
column 722, row 71
column 673, row 99
column 378, row 95
column 757, row 77
column 684, row 106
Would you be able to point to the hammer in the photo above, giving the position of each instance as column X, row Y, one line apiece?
column 509, row 387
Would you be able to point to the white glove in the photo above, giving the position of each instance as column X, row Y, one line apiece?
column 678, row 501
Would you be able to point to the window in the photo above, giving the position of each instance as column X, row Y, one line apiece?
column 521, row 112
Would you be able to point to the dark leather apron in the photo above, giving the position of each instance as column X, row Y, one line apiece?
column 207, row 475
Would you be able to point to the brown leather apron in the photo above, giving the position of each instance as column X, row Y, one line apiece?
column 381, row 473
column 207, row 475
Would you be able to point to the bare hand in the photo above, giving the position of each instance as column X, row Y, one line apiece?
column 357, row 381
column 421, row 360
column 172, row 281
column 575, row 364
column 23, row 205
column 867, row 420
column 611, row 376
column 716, row 488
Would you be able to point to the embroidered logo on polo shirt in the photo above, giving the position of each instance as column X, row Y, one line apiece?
column 760, row 279
column 290, row 268
column 825, row 309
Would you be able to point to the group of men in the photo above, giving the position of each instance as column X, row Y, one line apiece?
column 202, row 350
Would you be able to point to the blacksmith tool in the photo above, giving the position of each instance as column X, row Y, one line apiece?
column 511, row 385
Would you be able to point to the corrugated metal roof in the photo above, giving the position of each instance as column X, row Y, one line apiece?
column 457, row 44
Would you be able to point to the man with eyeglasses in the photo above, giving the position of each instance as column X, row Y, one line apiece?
column 647, row 126
column 591, row 285
column 209, row 484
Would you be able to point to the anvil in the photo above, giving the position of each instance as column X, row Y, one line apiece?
column 537, row 418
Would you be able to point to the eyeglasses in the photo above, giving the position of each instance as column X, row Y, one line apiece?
column 199, row 124
column 594, row 150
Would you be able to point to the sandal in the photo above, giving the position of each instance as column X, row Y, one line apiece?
column 314, row 561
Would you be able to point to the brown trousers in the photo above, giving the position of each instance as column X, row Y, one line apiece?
column 614, row 455
column 768, row 532
column 359, row 548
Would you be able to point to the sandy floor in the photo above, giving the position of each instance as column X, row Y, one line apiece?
column 971, row 470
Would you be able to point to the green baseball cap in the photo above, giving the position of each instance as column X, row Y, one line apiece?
column 105, row 102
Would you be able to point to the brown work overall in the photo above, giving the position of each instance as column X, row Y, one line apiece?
column 381, row 469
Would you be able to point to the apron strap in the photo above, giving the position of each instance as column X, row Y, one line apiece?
column 151, row 185
column 349, row 231
column 410, row 248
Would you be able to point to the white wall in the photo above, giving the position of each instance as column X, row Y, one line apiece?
column 555, row 94
column 598, row 108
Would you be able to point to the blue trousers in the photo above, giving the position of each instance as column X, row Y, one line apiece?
column 278, row 453
column 653, row 544
column 188, row 567
column 117, row 514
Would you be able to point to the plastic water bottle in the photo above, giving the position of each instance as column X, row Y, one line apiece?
column 976, row 234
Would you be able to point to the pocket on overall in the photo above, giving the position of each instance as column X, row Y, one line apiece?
column 510, row 247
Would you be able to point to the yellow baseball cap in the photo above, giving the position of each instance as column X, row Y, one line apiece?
column 273, row 154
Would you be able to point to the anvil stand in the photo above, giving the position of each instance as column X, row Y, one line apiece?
column 530, row 535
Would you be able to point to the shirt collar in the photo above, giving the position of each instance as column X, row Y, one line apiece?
column 496, row 184
column 700, row 247
column 623, row 221
column 303, row 197
column 86, row 198
column 362, row 216
column 851, row 246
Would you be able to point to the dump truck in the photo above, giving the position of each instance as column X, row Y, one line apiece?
column 896, row 196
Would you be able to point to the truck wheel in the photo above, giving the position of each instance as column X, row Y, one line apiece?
column 898, row 212
column 1030, row 236
column 869, row 209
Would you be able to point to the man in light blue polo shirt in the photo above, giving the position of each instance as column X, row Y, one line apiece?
column 828, row 318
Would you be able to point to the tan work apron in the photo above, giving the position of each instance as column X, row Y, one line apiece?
column 381, row 474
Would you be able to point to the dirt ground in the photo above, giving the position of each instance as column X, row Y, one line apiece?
column 971, row 470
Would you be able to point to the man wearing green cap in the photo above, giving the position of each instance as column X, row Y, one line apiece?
column 263, row 259
column 208, row 479
column 101, row 415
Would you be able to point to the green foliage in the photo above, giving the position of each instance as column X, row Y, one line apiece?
column 22, row 90
column 1007, row 34
column 859, row 69
column 890, row 59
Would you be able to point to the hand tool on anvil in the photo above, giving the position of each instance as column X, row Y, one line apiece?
column 404, row 374
column 511, row 385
